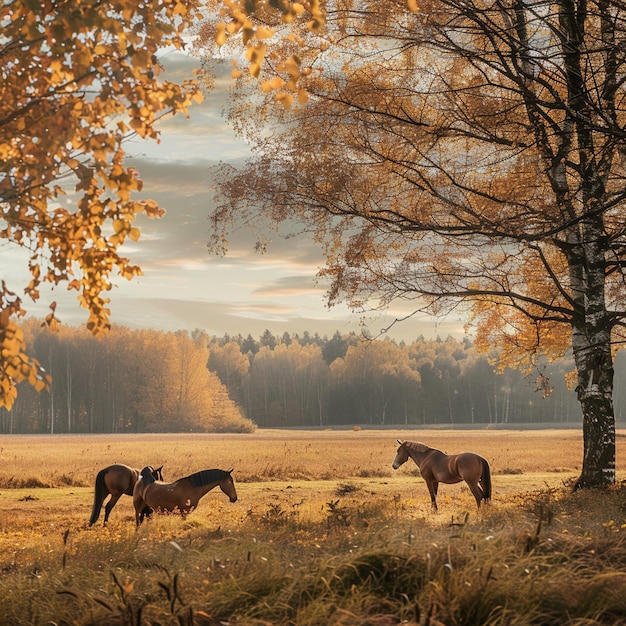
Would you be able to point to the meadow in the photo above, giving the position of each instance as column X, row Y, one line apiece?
column 323, row 532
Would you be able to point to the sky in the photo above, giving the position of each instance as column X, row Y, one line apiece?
column 186, row 287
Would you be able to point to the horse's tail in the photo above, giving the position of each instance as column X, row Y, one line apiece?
column 485, row 480
column 98, row 497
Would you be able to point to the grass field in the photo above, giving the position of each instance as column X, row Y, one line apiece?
column 324, row 532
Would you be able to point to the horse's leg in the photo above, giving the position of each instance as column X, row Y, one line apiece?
column 110, row 504
column 433, row 486
column 140, row 509
column 477, row 491
column 146, row 513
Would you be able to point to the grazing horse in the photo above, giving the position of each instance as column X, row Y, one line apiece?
column 437, row 467
column 182, row 495
column 115, row 480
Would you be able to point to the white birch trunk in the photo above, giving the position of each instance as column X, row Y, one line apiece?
column 591, row 342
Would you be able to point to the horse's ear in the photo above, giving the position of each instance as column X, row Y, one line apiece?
column 158, row 469
column 231, row 470
column 400, row 442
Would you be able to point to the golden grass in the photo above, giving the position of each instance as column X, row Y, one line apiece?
column 274, row 454
column 521, row 461
column 324, row 532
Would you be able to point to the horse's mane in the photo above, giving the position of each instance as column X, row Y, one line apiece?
column 206, row 476
column 418, row 446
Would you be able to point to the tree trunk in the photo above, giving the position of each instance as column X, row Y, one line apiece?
column 598, row 440
column 591, row 341
column 595, row 394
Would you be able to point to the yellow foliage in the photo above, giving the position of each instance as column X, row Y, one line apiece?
column 264, row 32
column 256, row 21
column 286, row 99
column 220, row 36
column 51, row 131
column 16, row 366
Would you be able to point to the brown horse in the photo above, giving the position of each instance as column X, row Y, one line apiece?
column 182, row 495
column 115, row 480
column 437, row 467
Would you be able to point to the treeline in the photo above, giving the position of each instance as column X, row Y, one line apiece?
column 310, row 380
column 131, row 381
column 154, row 381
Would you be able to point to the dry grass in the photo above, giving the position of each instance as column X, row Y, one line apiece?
column 274, row 454
column 324, row 532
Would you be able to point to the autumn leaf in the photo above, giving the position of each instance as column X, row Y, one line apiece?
column 75, row 84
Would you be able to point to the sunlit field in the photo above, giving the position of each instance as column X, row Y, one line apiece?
column 324, row 532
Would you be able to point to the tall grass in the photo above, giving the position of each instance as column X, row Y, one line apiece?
column 348, row 551
column 551, row 558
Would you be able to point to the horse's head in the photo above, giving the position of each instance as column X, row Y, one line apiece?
column 228, row 486
column 157, row 473
column 402, row 455
column 148, row 474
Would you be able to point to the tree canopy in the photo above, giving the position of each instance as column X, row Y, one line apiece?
column 77, row 79
column 454, row 153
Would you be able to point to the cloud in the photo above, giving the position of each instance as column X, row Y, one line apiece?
column 219, row 319
column 186, row 287
column 288, row 286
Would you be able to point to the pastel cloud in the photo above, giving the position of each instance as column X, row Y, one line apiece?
column 288, row 286
column 186, row 287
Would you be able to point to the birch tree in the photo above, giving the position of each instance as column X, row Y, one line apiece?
column 453, row 154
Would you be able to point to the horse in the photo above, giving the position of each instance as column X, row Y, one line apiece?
column 182, row 495
column 437, row 467
column 115, row 480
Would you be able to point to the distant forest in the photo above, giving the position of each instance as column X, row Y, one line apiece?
column 154, row 381
column 310, row 381
column 130, row 381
